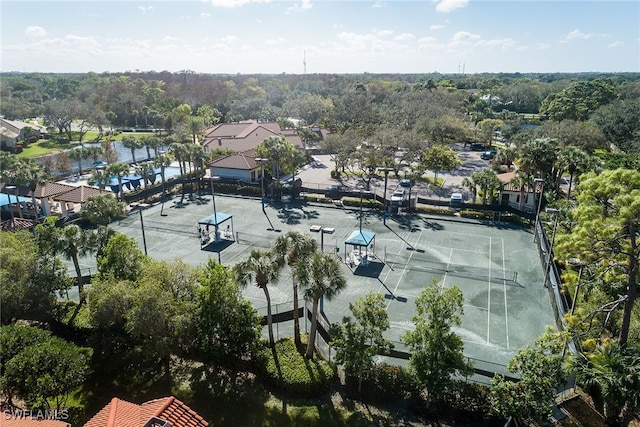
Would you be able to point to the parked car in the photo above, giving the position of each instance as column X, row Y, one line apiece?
column 398, row 197
column 336, row 191
column 476, row 146
column 488, row 155
column 456, row 199
column 405, row 182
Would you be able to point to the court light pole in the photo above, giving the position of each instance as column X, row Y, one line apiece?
column 215, row 214
column 162, row 153
column 576, row 262
column 384, row 205
column 556, row 213
column 261, row 161
column 540, row 194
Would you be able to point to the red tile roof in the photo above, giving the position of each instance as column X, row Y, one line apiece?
column 7, row 420
column 52, row 189
column 79, row 194
column 234, row 161
column 244, row 136
column 120, row 413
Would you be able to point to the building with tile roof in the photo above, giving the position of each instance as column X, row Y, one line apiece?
column 243, row 136
column 9, row 421
column 241, row 166
column 13, row 131
column 166, row 411
column 514, row 196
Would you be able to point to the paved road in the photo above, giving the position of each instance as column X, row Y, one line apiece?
column 318, row 175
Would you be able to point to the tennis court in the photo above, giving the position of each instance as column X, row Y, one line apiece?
column 494, row 264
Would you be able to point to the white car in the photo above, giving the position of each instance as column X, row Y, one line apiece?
column 398, row 196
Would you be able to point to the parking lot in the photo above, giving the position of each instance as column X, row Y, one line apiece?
column 318, row 176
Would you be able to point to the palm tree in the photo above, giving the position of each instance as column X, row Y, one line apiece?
column 320, row 276
column 100, row 178
column 571, row 159
column 94, row 153
column 119, row 170
column 100, row 209
column 195, row 125
column 488, row 182
column 522, row 181
column 472, row 186
column 263, row 268
column 291, row 248
column 34, row 175
column 78, row 155
column 132, row 144
column 147, row 171
column 611, row 371
column 70, row 241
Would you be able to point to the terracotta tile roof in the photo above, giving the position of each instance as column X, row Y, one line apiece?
column 120, row 413
column 52, row 189
column 506, row 180
column 27, row 421
column 234, row 161
column 80, row 194
column 244, row 136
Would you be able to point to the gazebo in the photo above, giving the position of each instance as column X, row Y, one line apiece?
column 359, row 239
column 215, row 220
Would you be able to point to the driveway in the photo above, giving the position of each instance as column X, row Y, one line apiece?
column 317, row 175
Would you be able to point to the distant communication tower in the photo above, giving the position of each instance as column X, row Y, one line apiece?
column 304, row 61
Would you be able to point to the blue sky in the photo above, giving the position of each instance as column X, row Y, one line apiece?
column 356, row 36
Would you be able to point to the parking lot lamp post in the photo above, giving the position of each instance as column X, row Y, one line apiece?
column 535, row 185
column 261, row 161
column 556, row 213
column 576, row 262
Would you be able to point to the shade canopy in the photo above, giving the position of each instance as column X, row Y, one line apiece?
column 215, row 219
column 6, row 199
column 360, row 238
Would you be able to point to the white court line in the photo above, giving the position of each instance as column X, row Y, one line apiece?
column 504, row 284
column 404, row 269
column 489, row 297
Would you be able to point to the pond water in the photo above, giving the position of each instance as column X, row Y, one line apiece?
column 123, row 154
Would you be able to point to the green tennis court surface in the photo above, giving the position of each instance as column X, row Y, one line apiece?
column 494, row 264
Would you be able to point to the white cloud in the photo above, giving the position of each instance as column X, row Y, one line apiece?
column 615, row 44
column 205, row 15
column 145, row 9
column 300, row 7
column 170, row 39
column 446, row 6
column 577, row 35
column 542, row 46
column 273, row 42
column 377, row 4
column 505, row 43
column 35, row 31
column 464, row 37
column 404, row 36
column 230, row 39
column 384, row 33
column 235, row 3
column 436, row 27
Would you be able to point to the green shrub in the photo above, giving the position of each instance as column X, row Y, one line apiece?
column 383, row 383
column 286, row 369
column 366, row 203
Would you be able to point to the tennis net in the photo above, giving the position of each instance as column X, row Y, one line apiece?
column 421, row 263
column 162, row 227
column 253, row 239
